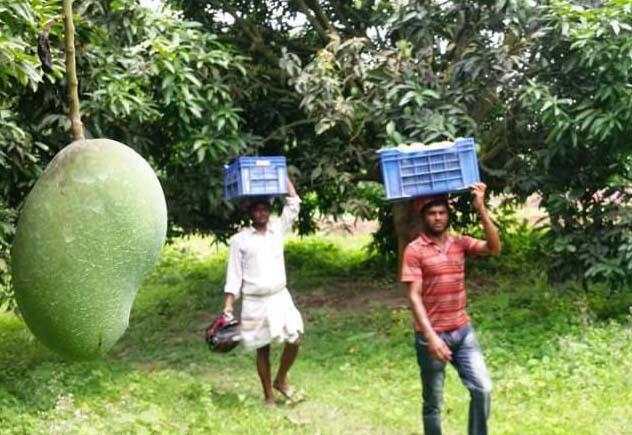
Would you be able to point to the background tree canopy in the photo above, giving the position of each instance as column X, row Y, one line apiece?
column 545, row 89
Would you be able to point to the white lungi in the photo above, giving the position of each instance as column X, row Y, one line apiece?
column 269, row 318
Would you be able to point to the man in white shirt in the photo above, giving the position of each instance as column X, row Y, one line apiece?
column 256, row 271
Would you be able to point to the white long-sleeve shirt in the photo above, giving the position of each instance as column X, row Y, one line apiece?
column 256, row 265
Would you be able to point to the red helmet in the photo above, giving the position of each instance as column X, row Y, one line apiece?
column 223, row 335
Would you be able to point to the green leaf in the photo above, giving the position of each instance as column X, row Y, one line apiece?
column 390, row 128
column 323, row 125
column 615, row 26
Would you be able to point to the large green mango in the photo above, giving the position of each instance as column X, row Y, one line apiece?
column 90, row 231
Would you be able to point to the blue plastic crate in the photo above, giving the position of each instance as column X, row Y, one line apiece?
column 420, row 172
column 255, row 176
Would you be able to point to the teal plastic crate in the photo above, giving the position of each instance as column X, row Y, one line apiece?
column 418, row 172
column 255, row 176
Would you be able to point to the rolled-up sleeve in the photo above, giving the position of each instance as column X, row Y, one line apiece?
column 290, row 212
column 234, row 272
column 471, row 245
column 411, row 266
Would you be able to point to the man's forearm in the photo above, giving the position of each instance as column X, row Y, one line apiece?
column 421, row 317
column 291, row 190
column 419, row 311
column 490, row 230
column 437, row 347
column 229, row 300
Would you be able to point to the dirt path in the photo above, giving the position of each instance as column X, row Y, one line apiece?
column 356, row 295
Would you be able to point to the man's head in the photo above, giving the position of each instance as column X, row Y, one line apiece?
column 435, row 213
column 259, row 211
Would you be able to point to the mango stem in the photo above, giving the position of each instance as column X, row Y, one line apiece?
column 71, row 72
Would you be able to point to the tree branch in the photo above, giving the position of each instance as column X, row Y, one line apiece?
column 275, row 133
column 256, row 38
column 320, row 14
column 43, row 49
column 317, row 26
column 461, row 39
column 491, row 154
column 341, row 16
column 71, row 71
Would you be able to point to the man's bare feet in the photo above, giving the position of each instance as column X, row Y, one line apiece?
column 270, row 401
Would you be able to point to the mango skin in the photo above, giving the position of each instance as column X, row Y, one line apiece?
column 90, row 230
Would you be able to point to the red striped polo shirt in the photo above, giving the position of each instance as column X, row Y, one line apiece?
column 443, row 278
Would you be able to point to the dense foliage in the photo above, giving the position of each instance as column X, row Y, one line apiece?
column 577, row 99
column 20, row 76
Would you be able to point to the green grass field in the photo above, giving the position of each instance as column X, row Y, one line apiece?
column 560, row 358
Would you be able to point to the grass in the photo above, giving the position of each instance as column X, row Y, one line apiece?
column 560, row 358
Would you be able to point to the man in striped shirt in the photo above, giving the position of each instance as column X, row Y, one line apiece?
column 434, row 269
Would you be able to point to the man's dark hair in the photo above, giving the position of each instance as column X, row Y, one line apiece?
column 254, row 202
column 438, row 201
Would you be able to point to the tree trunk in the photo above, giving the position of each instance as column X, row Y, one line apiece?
column 408, row 226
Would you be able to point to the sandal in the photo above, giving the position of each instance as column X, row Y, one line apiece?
column 287, row 391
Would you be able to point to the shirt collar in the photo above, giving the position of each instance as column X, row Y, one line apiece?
column 425, row 240
column 253, row 230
